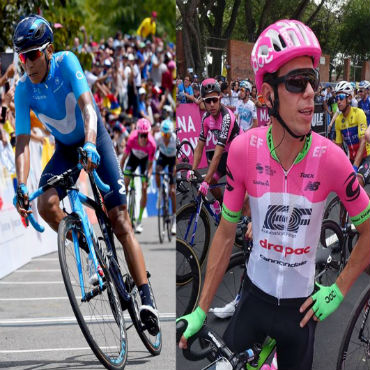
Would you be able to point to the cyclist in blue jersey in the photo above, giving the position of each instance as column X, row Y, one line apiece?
column 364, row 103
column 55, row 88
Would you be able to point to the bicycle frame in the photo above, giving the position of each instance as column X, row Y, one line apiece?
column 199, row 202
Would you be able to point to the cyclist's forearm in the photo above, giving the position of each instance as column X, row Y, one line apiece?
column 150, row 168
column 360, row 152
column 123, row 160
column 89, row 116
column 214, row 163
column 198, row 152
column 218, row 260
column 358, row 260
column 22, row 158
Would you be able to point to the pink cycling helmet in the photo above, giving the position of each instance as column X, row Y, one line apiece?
column 143, row 126
column 279, row 43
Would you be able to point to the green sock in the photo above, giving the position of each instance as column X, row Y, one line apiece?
column 141, row 214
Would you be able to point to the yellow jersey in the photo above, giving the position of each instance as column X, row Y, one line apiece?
column 351, row 129
column 146, row 28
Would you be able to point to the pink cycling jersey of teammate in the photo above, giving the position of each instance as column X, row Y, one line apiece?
column 219, row 128
column 288, row 173
column 139, row 150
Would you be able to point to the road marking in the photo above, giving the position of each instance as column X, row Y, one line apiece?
column 45, row 259
column 50, row 270
column 30, row 282
column 45, row 321
column 35, row 299
column 51, row 350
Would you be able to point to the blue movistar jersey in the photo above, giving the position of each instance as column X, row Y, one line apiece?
column 54, row 101
column 365, row 106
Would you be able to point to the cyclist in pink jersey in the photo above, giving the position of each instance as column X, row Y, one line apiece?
column 139, row 150
column 288, row 172
column 219, row 128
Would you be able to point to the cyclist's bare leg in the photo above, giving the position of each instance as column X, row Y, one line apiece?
column 144, row 188
column 121, row 225
column 49, row 209
column 173, row 198
column 127, row 182
column 157, row 176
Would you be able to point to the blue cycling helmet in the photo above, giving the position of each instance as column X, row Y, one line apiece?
column 166, row 126
column 364, row 84
column 32, row 32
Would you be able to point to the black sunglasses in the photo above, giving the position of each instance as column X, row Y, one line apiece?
column 144, row 136
column 296, row 81
column 210, row 100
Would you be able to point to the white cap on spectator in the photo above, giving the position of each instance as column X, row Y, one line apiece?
column 131, row 57
column 141, row 90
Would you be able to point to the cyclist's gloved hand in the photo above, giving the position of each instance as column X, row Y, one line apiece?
column 326, row 300
column 92, row 153
column 189, row 175
column 203, row 188
column 20, row 200
column 195, row 321
column 355, row 168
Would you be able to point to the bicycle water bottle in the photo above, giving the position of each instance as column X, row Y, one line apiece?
column 216, row 208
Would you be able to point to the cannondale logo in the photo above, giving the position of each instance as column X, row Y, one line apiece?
column 229, row 175
column 278, row 217
column 352, row 194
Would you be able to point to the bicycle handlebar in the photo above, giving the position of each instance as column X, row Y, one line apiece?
column 52, row 183
column 215, row 347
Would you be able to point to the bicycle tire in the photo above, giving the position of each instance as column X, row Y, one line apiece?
column 153, row 343
column 182, row 185
column 359, row 313
column 84, row 311
column 202, row 233
column 335, row 211
column 160, row 217
column 331, row 253
column 181, row 154
column 228, row 289
column 167, row 218
column 187, row 295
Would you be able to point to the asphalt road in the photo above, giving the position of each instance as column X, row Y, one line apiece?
column 38, row 329
column 329, row 333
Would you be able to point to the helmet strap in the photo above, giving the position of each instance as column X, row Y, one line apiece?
column 274, row 112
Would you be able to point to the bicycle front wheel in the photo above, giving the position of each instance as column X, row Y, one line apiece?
column 99, row 317
column 184, row 150
column 153, row 343
column 161, row 224
column 187, row 294
column 354, row 349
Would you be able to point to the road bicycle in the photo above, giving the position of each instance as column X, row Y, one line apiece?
column 98, row 287
column 221, row 357
column 354, row 350
column 164, row 215
column 183, row 149
column 132, row 196
column 193, row 221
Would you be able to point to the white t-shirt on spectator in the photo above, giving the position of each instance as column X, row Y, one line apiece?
column 246, row 114
column 137, row 75
column 91, row 78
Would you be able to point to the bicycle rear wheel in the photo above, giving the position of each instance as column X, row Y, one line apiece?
column 100, row 318
column 331, row 253
column 185, row 220
column 187, row 294
column 153, row 343
column 184, row 150
column 354, row 348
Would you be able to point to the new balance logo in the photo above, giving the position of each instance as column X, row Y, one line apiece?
column 312, row 186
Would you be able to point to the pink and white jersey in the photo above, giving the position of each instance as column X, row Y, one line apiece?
column 287, row 206
column 138, row 151
column 220, row 130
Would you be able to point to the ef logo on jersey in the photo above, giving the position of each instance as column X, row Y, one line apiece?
column 278, row 217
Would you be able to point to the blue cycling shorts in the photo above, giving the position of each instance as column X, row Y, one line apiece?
column 66, row 157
